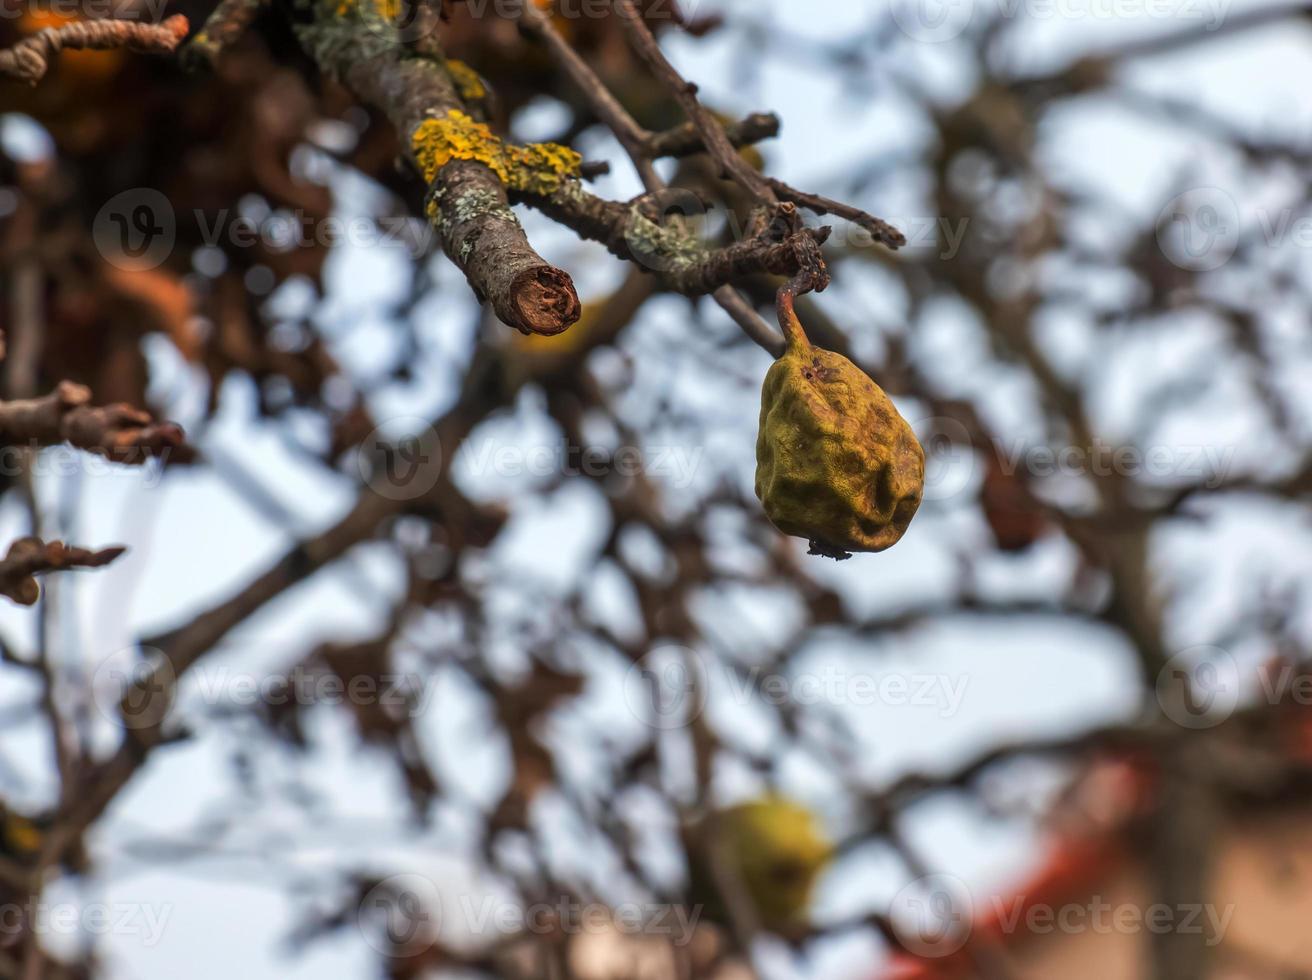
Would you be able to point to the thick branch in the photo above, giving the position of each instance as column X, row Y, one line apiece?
column 470, row 209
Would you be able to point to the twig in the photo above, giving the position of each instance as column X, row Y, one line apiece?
column 29, row 557
column 633, row 137
column 882, row 231
column 118, row 432
column 708, row 127
column 228, row 22
column 29, row 59
column 609, row 222
column 685, row 140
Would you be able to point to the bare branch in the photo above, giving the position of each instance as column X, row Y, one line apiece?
column 118, row 432
column 29, row 59
column 29, row 557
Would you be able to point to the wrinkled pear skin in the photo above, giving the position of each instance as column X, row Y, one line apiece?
column 835, row 462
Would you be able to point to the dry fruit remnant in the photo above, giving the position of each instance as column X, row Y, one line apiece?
column 835, row 462
column 538, row 168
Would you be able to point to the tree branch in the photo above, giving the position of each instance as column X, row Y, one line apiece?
column 118, row 432
column 29, row 59
column 29, row 557
column 468, row 203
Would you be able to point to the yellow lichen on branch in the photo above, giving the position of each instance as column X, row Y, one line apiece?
column 388, row 10
column 468, row 82
column 536, row 168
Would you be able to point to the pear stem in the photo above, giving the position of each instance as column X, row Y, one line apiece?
column 794, row 334
column 812, row 275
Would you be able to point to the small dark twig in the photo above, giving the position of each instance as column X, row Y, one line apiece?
column 882, row 231
column 685, row 140
column 713, row 137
